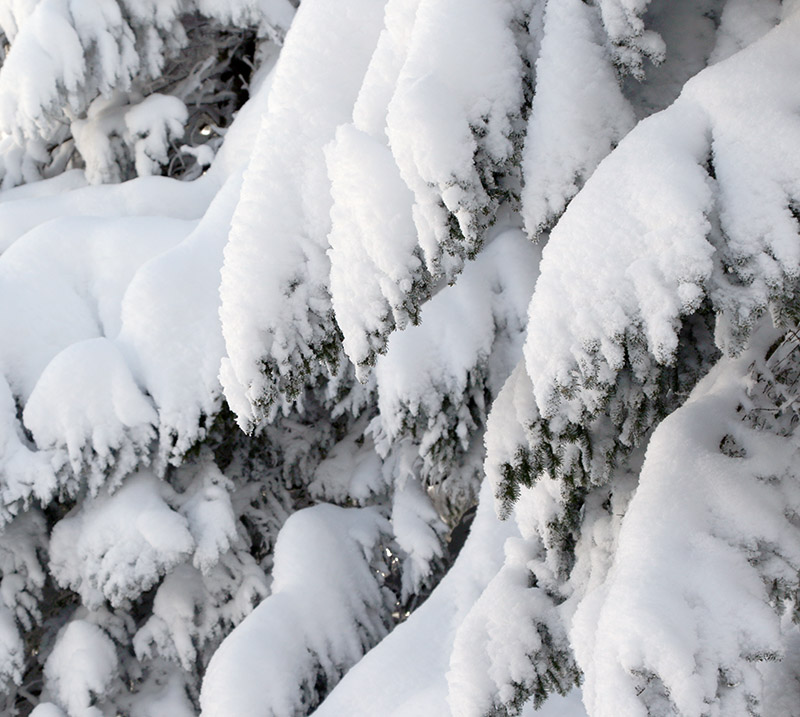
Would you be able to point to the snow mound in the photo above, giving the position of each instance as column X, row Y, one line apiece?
column 323, row 614
column 116, row 547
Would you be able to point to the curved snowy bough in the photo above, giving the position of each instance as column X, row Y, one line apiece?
column 276, row 314
column 693, row 213
column 71, row 385
column 437, row 380
column 326, row 609
column 430, row 156
column 385, row 186
column 511, row 647
column 396, row 182
column 99, row 385
column 720, row 515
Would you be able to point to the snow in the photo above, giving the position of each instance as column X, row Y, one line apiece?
column 50, row 43
column 417, row 653
column 370, row 200
column 12, row 648
column 81, row 665
column 86, row 402
column 415, row 155
column 79, row 68
column 68, row 278
column 169, row 699
column 351, row 471
column 116, row 547
column 630, row 40
column 275, row 302
column 373, row 236
column 417, row 528
column 23, row 575
column 640, row 246
column 26, row 472
column 467, row 333
column 321, row 616
column 173, row 301
column 146, row 196
column 683, row 601
column 192, row 610
column 493, row 645
column 152, row 123
column 446, row 93
column 145, row 128
column 210, row 517
column 110, row 276
column 47, row 709
column 741, row 24
column 578, row 114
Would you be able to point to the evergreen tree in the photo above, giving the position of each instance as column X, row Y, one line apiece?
column 280, row 288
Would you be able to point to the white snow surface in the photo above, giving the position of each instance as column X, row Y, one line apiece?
column 578, row 113
column 481, row 316
column 121, row 283
column 321, row 615
column 86, row 400
column 80, row 666
column 115, row 332
column 445, row 91
column 640, row 246
column 116, row 547
column 275, row 298
column 417, row 653
column 684, row 598
column 429, row 103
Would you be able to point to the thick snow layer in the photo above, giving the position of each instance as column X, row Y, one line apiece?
column 146, row 196
column 81, row 666
column 121, row 283
column 371, row 217
column 469, row 335
column 578, row 113
column 275, row 299
column 49, row 42
column 116, row 547
column 451, row 102
column 86, row 401
column 324, row 612
column 685, row 611
column 173, row 301
column 371, row 153
column 693, row 203
column 374, row 257
column 499, row 646
column 403, row 173
column 67, row 279
column 742, row 23
column 417, row 653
